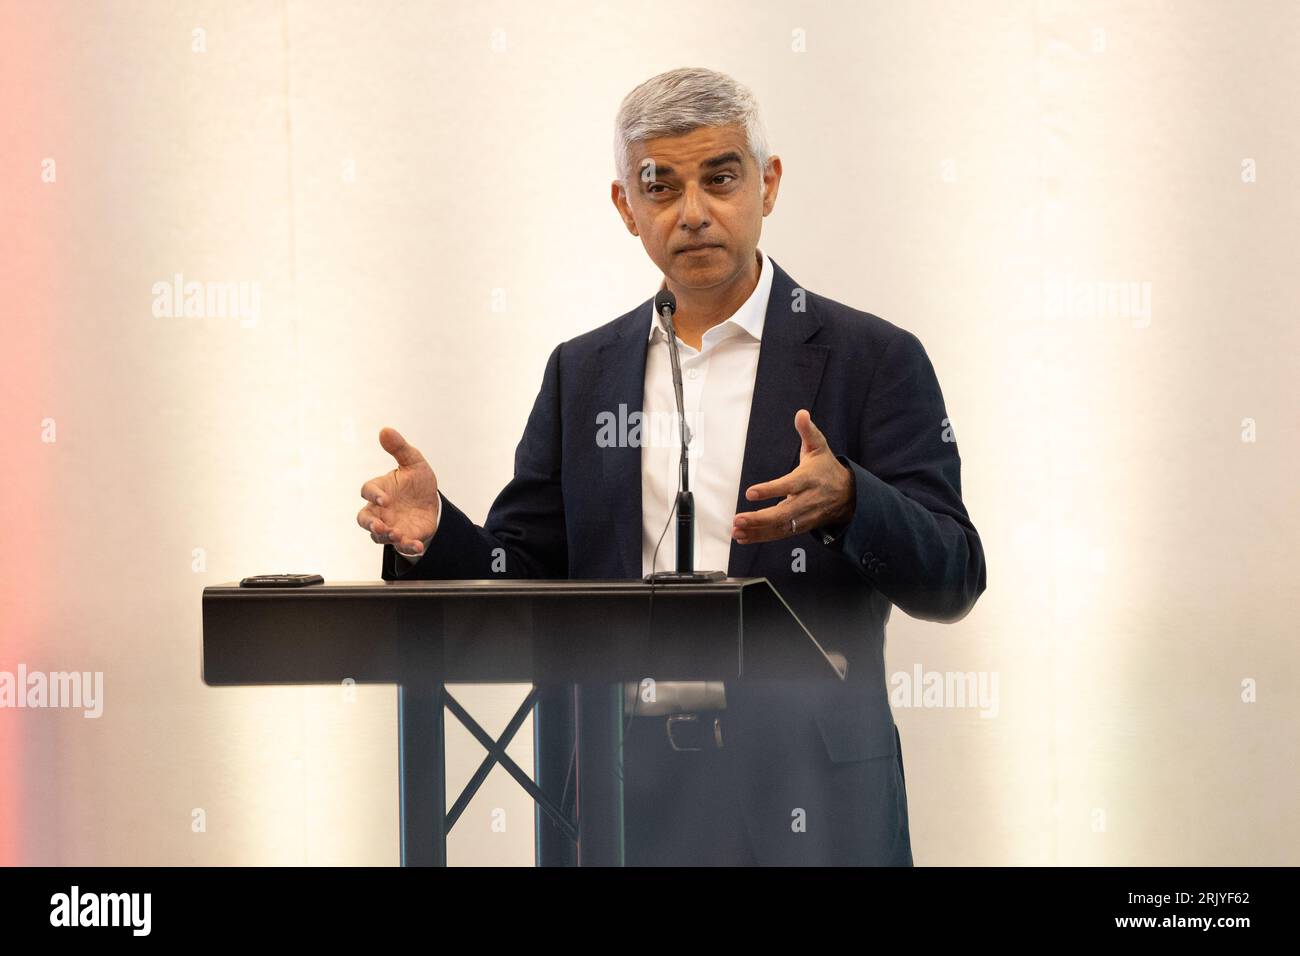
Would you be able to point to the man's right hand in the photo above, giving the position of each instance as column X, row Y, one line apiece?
column 403, row 505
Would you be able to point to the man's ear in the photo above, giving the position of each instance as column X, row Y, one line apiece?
column 771, row 183
column 618, row 194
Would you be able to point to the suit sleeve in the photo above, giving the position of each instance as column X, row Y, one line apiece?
column 910, row 536
column 524, row 536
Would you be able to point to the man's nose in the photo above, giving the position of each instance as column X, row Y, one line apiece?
column 694, row 208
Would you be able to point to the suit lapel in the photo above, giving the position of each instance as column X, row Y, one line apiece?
column 789, row 375
column 622, row 383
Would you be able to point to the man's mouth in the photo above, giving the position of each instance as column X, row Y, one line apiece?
column 702, row 248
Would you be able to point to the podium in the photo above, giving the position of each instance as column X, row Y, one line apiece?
column 575, row 641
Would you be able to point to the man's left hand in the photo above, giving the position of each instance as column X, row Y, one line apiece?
column 820, row 491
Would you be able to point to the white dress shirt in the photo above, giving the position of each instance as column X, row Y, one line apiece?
column 717, row 390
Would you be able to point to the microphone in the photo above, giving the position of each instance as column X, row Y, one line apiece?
column 665, row 306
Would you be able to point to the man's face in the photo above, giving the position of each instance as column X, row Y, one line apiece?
column 700, row 189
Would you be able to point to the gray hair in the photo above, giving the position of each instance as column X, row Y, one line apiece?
column 680, row 101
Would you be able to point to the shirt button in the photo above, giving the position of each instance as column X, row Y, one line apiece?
column 693, row 373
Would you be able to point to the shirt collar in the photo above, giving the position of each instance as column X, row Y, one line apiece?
column 749, row 318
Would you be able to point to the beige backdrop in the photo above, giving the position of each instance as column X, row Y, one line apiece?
column 420, row 194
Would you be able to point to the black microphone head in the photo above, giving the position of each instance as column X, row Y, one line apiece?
column 665, row 300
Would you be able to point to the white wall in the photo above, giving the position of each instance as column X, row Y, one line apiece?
column 945, row 163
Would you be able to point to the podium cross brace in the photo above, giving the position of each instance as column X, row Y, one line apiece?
column 496, row 753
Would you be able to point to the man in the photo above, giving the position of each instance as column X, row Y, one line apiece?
column 823, row 461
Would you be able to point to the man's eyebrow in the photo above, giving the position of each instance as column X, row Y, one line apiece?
column 714, row 163
column 731, row 157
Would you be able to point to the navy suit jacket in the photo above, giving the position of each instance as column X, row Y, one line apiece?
column 819, row 766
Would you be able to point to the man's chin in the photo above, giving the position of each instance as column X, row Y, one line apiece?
column 702, row 275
